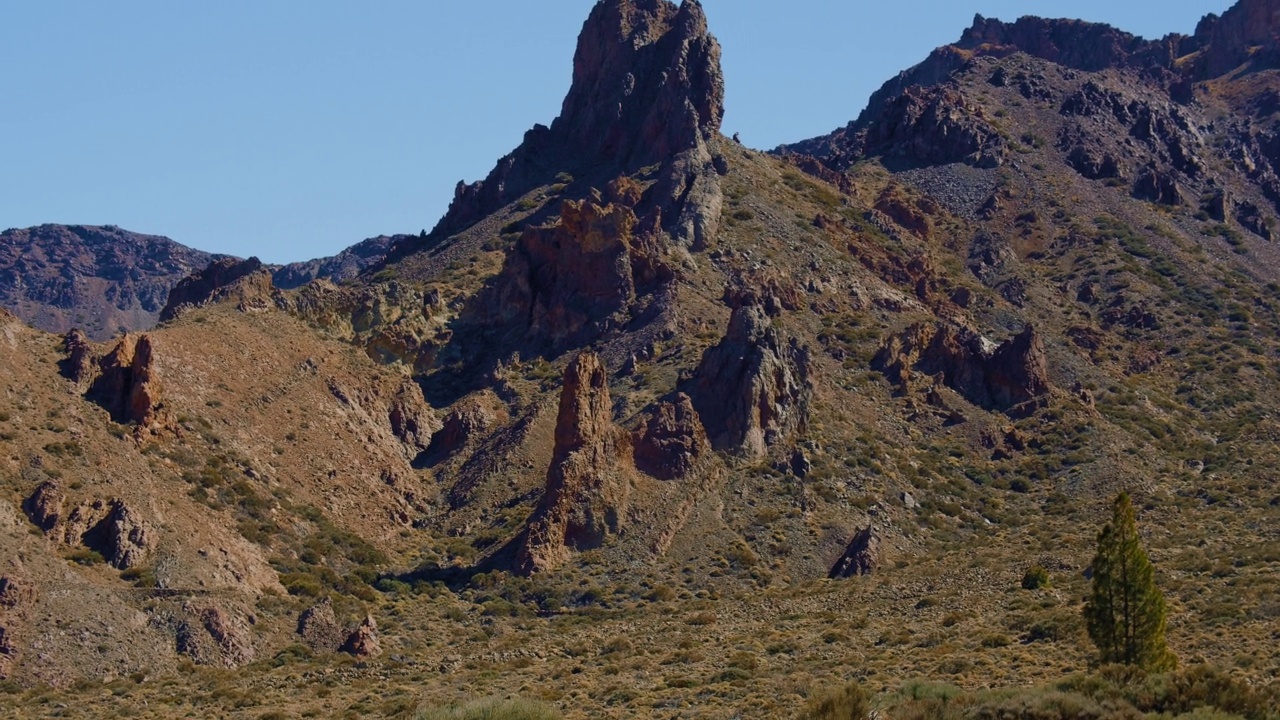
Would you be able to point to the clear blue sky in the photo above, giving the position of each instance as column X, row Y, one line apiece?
column 290, row 129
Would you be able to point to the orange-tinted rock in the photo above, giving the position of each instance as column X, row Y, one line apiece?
column 998, row 377
column 129, row 387
column 587, row 484
column 670, row 441
column 363, row 642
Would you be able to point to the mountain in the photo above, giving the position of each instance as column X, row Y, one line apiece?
column 105, row 280
column 652, row 423
column 99, row 279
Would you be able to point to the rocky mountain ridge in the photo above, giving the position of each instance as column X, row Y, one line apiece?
column 106, row 280
column 653, row 423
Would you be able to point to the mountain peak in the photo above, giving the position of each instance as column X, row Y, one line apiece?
column 646, row 83
column 647, row 87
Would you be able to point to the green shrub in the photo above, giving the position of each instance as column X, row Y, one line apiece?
column 848, row 703
column 493, row 710
column 1035, row 578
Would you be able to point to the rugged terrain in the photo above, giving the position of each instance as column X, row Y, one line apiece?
column 656, row 424
column 105, row 280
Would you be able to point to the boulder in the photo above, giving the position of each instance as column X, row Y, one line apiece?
column 44, row 505
column 363, row 642
column 670, row 441
column 588, row 483
column 319, row 628
column 862, row 557
column 753, row 389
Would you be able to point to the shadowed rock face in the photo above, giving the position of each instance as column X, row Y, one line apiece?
column 244, row 280
column 646, row 83
column 647, row 89
column 753, row 389
column 128, row 386
column 566, row 281
column 995, row 377
column 587, row 484
column 862, row 557
column 670, row 442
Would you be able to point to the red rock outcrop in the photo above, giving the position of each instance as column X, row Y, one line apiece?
column 319, row 629
column 128, row 386
column 752, row 390
column 79, row 365
column 1000, row 377
column 671, row 440
column 245, row 281
column 862, row 557
column 567, row 281
column 588, row 483
column 113, row 529
column 363, row 642
column 44, row 505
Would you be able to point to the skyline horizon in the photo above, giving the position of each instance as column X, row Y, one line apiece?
column 279, row 234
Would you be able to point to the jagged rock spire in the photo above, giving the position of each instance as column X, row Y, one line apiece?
column 647, row 88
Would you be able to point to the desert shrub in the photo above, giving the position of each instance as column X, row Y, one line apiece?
column 1035, row 578
column 847, row 703
column 493, row 710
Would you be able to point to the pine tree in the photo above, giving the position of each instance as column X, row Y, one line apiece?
column 1125, row 613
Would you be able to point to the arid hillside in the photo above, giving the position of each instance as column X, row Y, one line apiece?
column 655, row 424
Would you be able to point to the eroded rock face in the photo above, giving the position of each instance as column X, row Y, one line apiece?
column 934, row 126
column 753, row 390
column 669, row 443
column 245, row 281
column 647, row 89
column 44, row 506
column 587, row 484
column 471, row 419
column 128, row 386
column 215, row 637
column 567, row 281
column 999, row 377
column 319, row 628
column 1246, row 32
column 862, row 557
column 363, row 642
column 113, row 529
column 79, row 365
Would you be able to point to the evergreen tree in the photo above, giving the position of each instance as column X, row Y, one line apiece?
column 1125, row 613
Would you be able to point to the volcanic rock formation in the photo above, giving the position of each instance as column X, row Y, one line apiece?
column 647, row 89
column 752, row 390
column 128, row 386
column 588, row 483
column 862, row 557
column 999, row 377
column 669, row 443
column 245, row 281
